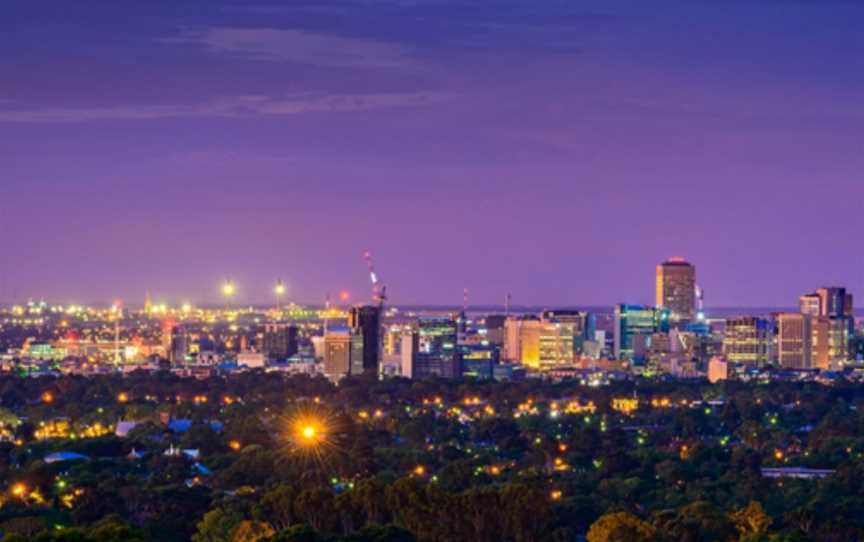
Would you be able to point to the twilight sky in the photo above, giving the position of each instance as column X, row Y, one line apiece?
column 556, row 149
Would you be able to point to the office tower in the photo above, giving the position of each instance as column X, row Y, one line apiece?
column 494, row 326
column 832, row 326
column 747, row 340
column 539, row 344
column 634, row 325
column 829, row 343
column 408, row 353
column 581, row 321
column 810, row 304
column 431, row 349
column 279, row 341
column 178, row 345
column 832, row 302
column 676, row 288
column 343, row 352
column 794, row 333
column 365, row 320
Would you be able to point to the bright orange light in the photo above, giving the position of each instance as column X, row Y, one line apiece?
column 235, row 445
column 420, row 470
column 47, row 397
column 556, row 495
column 344, row 296
column 778, row 455
column 122, row 397
column 309, row 432
column 562, row 447
column 19, row 490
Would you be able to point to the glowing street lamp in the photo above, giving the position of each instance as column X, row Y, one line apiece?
column 228, row 291
column 279, row 291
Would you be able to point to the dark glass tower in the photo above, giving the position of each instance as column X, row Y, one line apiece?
column 365, row 320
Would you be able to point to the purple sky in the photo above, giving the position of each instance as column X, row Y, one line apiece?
column 557, row 150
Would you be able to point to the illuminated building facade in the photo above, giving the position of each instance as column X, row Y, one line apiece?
column 747, row 340
column 539, row 344
column 794, row 332
column 676, row 288
column 433, row 349
column 829, row 343
column 634, row 325
column 343, row 353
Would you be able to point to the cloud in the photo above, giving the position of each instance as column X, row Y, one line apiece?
column 238, row 106
column 296, row 46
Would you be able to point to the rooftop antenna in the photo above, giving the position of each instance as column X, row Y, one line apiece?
column 507, row 304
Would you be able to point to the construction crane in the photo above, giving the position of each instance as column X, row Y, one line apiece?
column 379, row 290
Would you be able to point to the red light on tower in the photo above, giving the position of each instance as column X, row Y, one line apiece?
column 344, row 296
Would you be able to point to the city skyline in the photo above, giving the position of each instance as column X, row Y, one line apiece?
column 556, row 152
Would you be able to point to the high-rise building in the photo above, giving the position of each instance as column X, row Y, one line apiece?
column 432, row 350
column 179, row 345
column 279, row 341
column 676, row 288
column 831, row 325
column 343, row 353
column 634, row 325
column 494, row 326
column 365, row 320
column 832, row 302
column 747, row 340
column 539, row 343
column 794, row 333
column 810, row 304
column 829, row 343
column 581, row 321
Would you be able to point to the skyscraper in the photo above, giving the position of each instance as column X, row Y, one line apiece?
column 365, row 320
column 830, row 324
column 829, row 343
column 279, row 341
column 634, row 323
column 747, row 340
column 433, row 349
column 676, row 288
column 832, row 302
column 539, row 343
column 794, row 333
column 343, row 353
column 810, row 304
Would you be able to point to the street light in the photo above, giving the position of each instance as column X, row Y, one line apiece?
column 279, row 291
column 228, row 291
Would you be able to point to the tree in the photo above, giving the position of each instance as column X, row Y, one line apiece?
column 621, row 527
column 26, row 526
column 216, row 526
column 113, row 529
column 252, row 531
column 298, row 533
column 277, row 506
column 379, row 533
column 751, row 520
